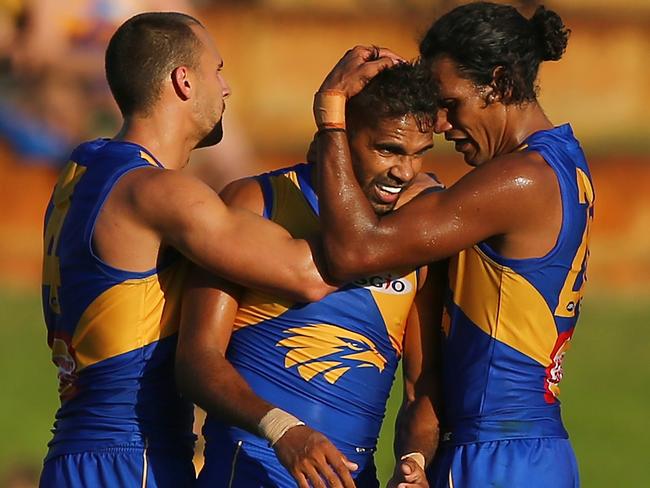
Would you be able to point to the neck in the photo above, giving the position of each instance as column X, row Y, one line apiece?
column 161, row 136
column 521, row 122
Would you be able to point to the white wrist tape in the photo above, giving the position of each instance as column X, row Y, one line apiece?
column 418, row 457
column 275, row 423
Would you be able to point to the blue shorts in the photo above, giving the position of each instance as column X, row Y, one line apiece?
column 518, row 463
column 119, row 467
column 246, row 465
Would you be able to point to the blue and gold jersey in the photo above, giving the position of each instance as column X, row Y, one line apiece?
column 509, row 322
column 330, row 363
column 112, row 332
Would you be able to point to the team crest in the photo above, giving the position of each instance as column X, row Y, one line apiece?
column 330, row 350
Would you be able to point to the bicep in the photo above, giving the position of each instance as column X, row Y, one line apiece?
column 438, row 225
column 231, row 242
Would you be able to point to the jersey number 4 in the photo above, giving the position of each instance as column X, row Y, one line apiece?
column 61, row 198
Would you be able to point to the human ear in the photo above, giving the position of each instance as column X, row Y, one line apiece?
column 500, row 88
column 181, row 82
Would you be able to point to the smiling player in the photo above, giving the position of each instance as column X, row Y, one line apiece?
column 330, row 363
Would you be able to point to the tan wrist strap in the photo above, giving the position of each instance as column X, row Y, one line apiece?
column 329, row 109
column 275, row 423
column 418, row 457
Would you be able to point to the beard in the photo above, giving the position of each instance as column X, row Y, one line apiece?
column 213, row 137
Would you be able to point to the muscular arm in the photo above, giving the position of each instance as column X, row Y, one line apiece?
column 231, row 242
column 512, row 200
column 497, row 199
column 210, row 305
column 204, row 375
column 417, row 423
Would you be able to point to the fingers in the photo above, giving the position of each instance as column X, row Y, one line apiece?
column 313, row 460
column 342, row 466
column 370, row 68
column 372, row 53
column 409, row 474
column 357, row 67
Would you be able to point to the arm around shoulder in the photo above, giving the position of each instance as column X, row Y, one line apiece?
column 231, row 242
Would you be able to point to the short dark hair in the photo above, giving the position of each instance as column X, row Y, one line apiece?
column 143, row 52
column 481, row 37
column 403, row 89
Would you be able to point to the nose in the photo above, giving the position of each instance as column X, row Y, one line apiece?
column 442, row 123
column 225, row 87
column 405, row 171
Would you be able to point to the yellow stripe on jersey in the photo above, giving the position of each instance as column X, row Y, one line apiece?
column 503, row 304
column 148, row 159
column 256, row 307
column 395, row 307
column 128, row 316
column 291, row 212
column 290, row 209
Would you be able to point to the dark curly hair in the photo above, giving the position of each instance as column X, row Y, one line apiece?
column 403, row 89
column 486, row 39
column 143, row 52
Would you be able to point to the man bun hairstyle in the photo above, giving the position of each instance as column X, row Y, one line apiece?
column 552, row 35
column 493, row 44
column 143, row 52
column 402, row 89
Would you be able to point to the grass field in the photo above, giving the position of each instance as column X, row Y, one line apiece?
column 605, row 391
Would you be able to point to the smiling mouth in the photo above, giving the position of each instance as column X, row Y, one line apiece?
column 388, row 193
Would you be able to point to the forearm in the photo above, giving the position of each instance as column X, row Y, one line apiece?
column 416, row 429
column 256, row 253
column 347, row 218
column 219, row 389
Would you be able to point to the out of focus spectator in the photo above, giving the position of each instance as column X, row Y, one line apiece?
column 53, row 92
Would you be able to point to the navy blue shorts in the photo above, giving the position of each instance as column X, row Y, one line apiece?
column 246, row 465
column 519, row 463
column 119, row 467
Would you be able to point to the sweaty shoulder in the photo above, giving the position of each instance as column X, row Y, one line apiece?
column 423, row 183
column 244, row 193
column 523, row 172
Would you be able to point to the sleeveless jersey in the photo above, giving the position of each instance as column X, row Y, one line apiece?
column 508, row 322
column 112, row 332
column 330, row 363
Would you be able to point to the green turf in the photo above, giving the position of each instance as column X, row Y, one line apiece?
column 28, row 380
column 605, row 390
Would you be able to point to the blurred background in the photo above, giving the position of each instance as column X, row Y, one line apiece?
column 276, row 52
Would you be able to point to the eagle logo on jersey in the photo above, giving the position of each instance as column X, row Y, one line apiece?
column 330, row 350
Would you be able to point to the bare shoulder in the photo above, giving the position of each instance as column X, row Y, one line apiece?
column 523, row 172
column 244, row 193
column 153, row 184
column 153, row 195
column 422, row 183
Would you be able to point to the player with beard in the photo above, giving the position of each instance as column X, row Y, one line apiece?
column 328, row 364
column 120, row 215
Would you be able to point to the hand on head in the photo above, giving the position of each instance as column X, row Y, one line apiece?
column 357, row 67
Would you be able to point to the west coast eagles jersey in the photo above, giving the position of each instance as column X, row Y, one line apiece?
column 331, row 363
column 509, row 322
column 112, row 332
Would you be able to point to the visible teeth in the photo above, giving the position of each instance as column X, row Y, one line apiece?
column 390, row 189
